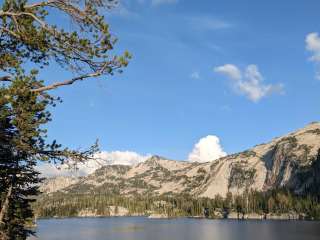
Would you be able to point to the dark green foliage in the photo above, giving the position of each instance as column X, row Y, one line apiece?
column 241, row 177
column 310, row 175
column 248, row 154
column 173, row 205
column 27, row 37
column 291, row 140
column 201, row 171
column 18, row 183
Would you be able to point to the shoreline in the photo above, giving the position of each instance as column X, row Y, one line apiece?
column 162, row 217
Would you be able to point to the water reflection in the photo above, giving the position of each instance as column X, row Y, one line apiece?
column 138, row 228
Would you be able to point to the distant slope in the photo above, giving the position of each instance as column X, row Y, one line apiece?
column 287, row 161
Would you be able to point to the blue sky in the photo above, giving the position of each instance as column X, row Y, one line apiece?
column 173, row 92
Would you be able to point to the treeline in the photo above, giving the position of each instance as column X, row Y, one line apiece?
column 273, row 202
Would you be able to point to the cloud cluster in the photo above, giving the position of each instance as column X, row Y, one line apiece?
column 250, row 82
column 207, row 149
column 121, row 157
column 51, row 170
column 101, row 159
column 313, row 46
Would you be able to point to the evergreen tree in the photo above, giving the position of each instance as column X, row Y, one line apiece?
column 27, row 36
column 18, row 181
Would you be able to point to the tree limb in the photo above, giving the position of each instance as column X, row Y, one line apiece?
column 5, row 79
column 70, row 81
column 10, row 32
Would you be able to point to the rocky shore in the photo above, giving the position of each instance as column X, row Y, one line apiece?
column 272, row 216
column 123, row 212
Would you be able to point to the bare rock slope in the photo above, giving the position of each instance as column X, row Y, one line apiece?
column 287, row 161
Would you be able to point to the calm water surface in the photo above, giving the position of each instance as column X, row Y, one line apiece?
column 140, row 228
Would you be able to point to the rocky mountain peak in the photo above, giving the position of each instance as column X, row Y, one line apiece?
column 285, row 161
column 155, row 159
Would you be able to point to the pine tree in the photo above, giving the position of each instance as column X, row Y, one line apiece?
column 18, row 183
column 26, row 36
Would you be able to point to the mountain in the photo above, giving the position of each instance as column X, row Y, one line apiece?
column 286, row 162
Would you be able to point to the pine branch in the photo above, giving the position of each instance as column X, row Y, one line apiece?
column 5, row 79
column 71, row 81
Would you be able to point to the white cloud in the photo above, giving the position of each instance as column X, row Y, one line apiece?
column 101, row 159
column 206, row 150
column 208, row 23
column 121, row 157
column 230, row 71
column 313, row 46
column 50, row 170
column 195, row 75
column 249, row 82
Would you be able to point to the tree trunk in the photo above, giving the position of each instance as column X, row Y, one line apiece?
column 5, row 205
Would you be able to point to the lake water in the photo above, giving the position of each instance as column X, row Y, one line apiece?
column 140, row 228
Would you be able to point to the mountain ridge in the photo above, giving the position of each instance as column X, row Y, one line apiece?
column 276, row 164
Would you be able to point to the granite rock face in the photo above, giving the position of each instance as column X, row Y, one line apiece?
column 289, row 161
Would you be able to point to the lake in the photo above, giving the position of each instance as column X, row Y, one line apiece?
column 141, row 228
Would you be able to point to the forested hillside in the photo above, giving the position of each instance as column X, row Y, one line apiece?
column 274, row 178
